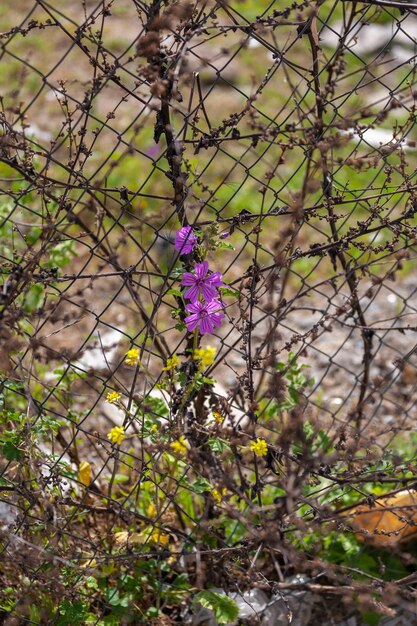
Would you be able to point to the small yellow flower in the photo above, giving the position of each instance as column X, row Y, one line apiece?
column 113, row 396
column 219, row 418
column 132, row 356
column 259, row 447
column 161, row 538
column 205, row 356
column 155, row 428
column 218, row 495
column 171, row 363
column 151, row 512
column 116, row 435
column 179, row 446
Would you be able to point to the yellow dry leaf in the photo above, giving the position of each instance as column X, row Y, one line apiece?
column 84, row 473
column 121, row 537
column 89, row 562
column 124, row 537
column 390, row 521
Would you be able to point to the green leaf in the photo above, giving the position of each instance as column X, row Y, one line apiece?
column 10, row 451
column 201, row 485
column 177, row 272
column 218, row 445
column 91, row 582
column 153, row 611
column 34, row 298
column 71, row 613
column 227, row 291
column 113, row 597
column 224, row 608
column 62, row 254
column 174, row 292
column 33, row 235
column 154, row 407
column 370, row 618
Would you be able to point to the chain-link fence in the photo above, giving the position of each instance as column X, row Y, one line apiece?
column 207, row 312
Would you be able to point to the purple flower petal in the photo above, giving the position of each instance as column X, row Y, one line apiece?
column 188, row 279
column 192, row 293
column 217, row 318
column 201, row 270
column 209, row 293
column 201, row 282
column 206, row 326
column 194, row 307
column 207, row 316
column 215, row 279
column 192, row 321
column 185, row 240
column 214, row 305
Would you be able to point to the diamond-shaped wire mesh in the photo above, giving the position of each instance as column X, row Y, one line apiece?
column 284, row 134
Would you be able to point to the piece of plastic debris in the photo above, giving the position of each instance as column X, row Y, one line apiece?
column 388, row 521
column 292, row 607
column 289, row 607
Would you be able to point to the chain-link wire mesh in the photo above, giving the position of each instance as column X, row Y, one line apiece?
column 142, row 461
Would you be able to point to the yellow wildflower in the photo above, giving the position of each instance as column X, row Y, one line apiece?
column 151, row 512
column 218, row 417
column 218, row 495
column 113, row 396
column 259, row 447
column 132, row 356
column 205, row 356
column 171, row 363
column 155, row 427
column 179, row 446
column 116, row 435
column 159, row 537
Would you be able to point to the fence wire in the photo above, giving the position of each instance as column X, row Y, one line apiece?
column 144, row 464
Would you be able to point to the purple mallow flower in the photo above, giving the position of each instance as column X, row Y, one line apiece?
column 201, row 282
column 185, row 240
column 206, row 315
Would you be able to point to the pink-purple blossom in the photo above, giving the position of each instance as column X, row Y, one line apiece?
column 201, row 282
column 206, row 315
column 185, row 240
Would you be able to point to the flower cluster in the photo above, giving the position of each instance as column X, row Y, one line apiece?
column 113, row 397
column 205, row 356
column 116, row 435
column 218, row 494
column 259, row 447
column 180, row 446
column 132, row 357
column 204, row 307
column 218, row 417
column 171, row 364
